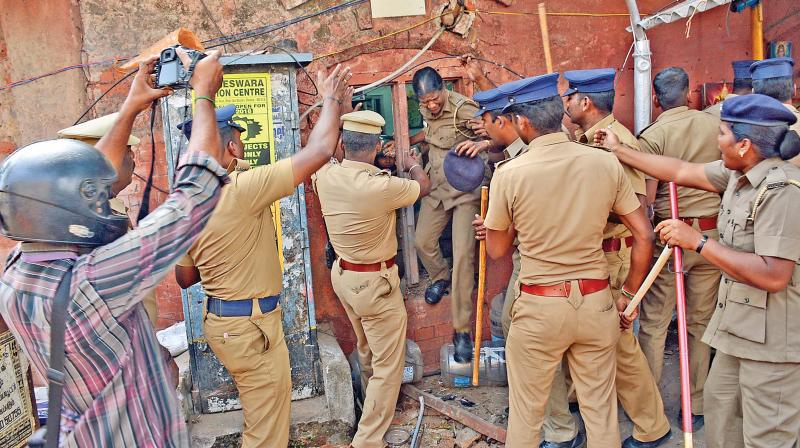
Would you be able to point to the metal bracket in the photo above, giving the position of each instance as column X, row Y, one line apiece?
column 680, row 11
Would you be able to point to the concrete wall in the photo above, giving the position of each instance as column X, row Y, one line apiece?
column 37, row 37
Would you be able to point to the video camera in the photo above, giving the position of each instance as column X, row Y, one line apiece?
column 170, row 71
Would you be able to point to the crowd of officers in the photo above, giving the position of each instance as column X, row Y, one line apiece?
column 577, row 211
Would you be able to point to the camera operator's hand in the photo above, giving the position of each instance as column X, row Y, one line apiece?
column 207, row 76
column 142, row 92
column 334, row 86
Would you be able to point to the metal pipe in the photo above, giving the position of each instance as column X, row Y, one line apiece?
column 642, row 105
column 757, row 27
column 683, row 343
column 415, row 440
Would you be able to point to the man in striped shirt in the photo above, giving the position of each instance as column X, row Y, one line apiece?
column 116, row 391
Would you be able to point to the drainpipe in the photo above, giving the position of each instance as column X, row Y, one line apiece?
column 757, row 26
column 642, row 93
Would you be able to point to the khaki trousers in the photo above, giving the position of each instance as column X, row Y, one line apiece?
column 584, row 329
column 255, row 353
column 374, row 304
column 637, row 390
column 512, row 292
column 431, row 224
column 752, row 404
column 702, row 282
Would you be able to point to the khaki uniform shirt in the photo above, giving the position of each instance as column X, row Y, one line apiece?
column 149, row 301
column 716, row 109
column 558, row 196
column 689, row 135
column 518, row 147
column 237, row 252
column 613, row 229
column 441, row 136
column 358, row 202
column 749, row 322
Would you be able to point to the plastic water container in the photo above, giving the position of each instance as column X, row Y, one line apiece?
column 496, row 317
column 492, row 366
column 412, row 371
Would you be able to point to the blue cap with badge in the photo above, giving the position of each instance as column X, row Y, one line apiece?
column 741, row 69
column 772, row 68
column 224, row 120
column 590, row 81
column 530, row 89
column 756, row 109
column 489, row 100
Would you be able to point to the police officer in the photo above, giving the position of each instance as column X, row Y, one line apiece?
column 236, row 260
column 446, row 114
column 565, row 307
column 358, row 202
column 91, row 132
column 775, row 78
column 752, row 394
column 742, row 84
column 690, row 135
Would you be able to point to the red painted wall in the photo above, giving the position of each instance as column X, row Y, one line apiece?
column 96, row 30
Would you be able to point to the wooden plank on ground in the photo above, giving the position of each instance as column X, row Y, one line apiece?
column 458, row 414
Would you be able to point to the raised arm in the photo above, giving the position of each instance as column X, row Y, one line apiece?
column 123, row 271
column 325, row 135
column 114, row 145
column 668, row 169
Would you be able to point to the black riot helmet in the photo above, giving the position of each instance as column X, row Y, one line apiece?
column 426, row 80
column 57, row 191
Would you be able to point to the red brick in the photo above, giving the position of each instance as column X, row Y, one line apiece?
column 424, row 333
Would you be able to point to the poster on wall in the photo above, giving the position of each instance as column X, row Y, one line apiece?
column 16, row 416
column 252, row 95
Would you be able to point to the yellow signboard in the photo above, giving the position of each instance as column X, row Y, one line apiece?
column 252, row 95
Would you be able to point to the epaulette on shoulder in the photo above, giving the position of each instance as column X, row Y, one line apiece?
column 589, row 145
column 497, row 165
column 644, row 129
column 381, row 173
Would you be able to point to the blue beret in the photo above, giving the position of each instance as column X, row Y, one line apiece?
column 530, row 89
column 224, row 120
column 590, row 81
column 756, row 109
column 772, row 68
column 462, row 172
column 741, row 69
column 489, row 100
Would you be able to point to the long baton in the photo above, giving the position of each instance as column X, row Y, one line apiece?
column 683, row 344
column 481, row 287
column 648, row 281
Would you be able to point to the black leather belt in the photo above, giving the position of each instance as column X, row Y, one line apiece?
column 240, row 308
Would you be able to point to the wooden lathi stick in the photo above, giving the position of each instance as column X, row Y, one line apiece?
column 481, row 290
column 648, row 281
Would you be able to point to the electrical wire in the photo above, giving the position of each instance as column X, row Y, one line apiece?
column 103, row 95
column 60, row 70
column 144, row 206
column 388, row 77
column 212, row 43
column 299, row 65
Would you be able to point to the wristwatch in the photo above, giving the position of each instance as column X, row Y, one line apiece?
column 703, row 240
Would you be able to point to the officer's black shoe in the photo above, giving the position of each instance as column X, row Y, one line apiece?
column 630, row 442
column 463, row 346
column 578, row 442
column 435, row 292
column 698, row 421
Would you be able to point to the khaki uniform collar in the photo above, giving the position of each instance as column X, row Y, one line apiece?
column 589, row 135
column 549, row 139
column 238, row 165
column 758, row 173
column 673, row 111
column 370, row 168
column 515, row 148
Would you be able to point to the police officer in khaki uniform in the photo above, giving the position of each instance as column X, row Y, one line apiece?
column 236, row 260
column 775, row 78
column 689, row 135
column 91, row 132
column 358, row 202
column 446, row 114
column 742, row 84
column 590, row 104
column 752, row 395
column 565, row 307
